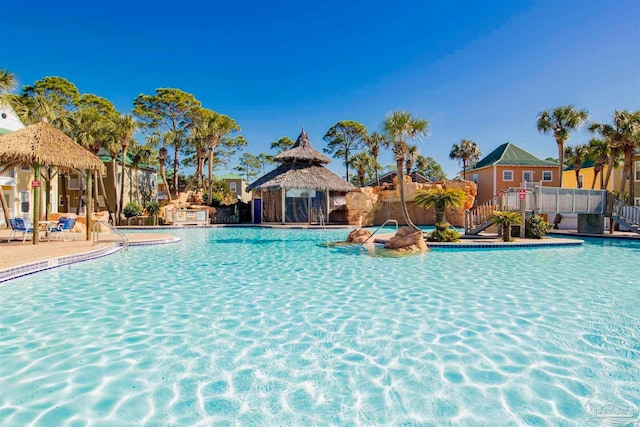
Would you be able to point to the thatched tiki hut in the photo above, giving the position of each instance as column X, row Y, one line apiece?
column 43, row 146
column 300, row 190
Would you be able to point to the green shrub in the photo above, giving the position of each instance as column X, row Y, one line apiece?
column 443, row 233
column 132, row 209
column 536, row 227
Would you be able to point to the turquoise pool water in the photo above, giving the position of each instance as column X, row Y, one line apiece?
column 237, row 326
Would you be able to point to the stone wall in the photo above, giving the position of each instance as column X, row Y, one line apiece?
column 369, row 206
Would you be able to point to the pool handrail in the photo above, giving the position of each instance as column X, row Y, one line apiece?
column 379, row 227
column 96, row 233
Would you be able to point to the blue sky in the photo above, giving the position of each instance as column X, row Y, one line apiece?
column 480, row 70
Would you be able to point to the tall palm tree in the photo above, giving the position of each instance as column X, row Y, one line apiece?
column 399, row 125
column 126, row 126
column 467, row 152
column 375, row 141
column 575, row 156
column 560, row 121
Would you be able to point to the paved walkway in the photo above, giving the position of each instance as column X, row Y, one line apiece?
column 16, row 253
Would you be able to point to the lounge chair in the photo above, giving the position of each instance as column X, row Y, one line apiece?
column 20, row 225
column 64, row 225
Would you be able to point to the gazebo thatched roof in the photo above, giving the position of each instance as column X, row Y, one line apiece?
column 302, row 151
column 300, row 175
column 44, row 144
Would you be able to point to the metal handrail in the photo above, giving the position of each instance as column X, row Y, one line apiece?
column 379, row 227
column 125, row 239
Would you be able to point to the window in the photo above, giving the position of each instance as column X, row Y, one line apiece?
column 233, row 187
column 547, row 176
column 507, row 175
column 24, row 202
column 475, row 178
column 527, row 176
column 636, row 170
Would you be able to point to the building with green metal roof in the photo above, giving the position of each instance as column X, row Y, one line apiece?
column 510, row 166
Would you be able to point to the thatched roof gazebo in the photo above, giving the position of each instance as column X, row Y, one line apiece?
column 42, row 144
column 301, row 189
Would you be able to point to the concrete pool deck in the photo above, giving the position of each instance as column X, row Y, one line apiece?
column 18, row 259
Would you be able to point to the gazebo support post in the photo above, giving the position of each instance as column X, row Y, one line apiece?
column 283, row 192
column 36, row 204
column 89, row 206
column 5, row 208
column 47, row 194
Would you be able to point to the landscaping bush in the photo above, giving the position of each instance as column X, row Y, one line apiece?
column 536, row 227
column 132, row 209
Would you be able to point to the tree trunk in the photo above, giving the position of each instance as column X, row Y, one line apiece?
column 106, row 198
column 403, row 205
column 114, row 174
column 464, row 170
column 65, row 196
column 560, row 160
column 122, row 176
column 506, row 232
column 176, row 166
column 612, row 158
column 578, row 183
column 212, row 146
column 346, row 163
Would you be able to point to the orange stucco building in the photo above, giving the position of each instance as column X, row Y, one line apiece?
column 510, row 166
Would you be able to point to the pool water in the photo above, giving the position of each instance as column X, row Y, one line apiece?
column 250, row 326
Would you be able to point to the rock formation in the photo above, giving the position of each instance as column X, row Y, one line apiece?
column 359, row 235
column 407, row 239
column 369, row 206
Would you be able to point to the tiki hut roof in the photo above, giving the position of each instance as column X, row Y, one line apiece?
column 302, row 151
column 301, row 175
column 43, row 143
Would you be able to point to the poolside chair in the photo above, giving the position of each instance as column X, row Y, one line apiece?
column 64, row 225
column 20, row 225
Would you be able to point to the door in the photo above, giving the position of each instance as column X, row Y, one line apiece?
column 257, row 211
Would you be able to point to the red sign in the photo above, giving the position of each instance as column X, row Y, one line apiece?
column 501, row 194
column 35, row 183
column 522, row 194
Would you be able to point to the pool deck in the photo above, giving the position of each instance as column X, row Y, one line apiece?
column 18, row 259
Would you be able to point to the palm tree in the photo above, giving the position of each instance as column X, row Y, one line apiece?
column 561, row 121
column 468, row 152
column 215, row 128
column 440, row 199
column 623, row 136
column 362, row 162
column 505, row 219
column 126, row 126
column 374, row 142
column 600, row 151
column 399, row 125
column 575, row 156
column 412, row 156
column 8, row 81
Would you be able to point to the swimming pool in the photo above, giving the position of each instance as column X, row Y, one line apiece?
column 250, row 326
